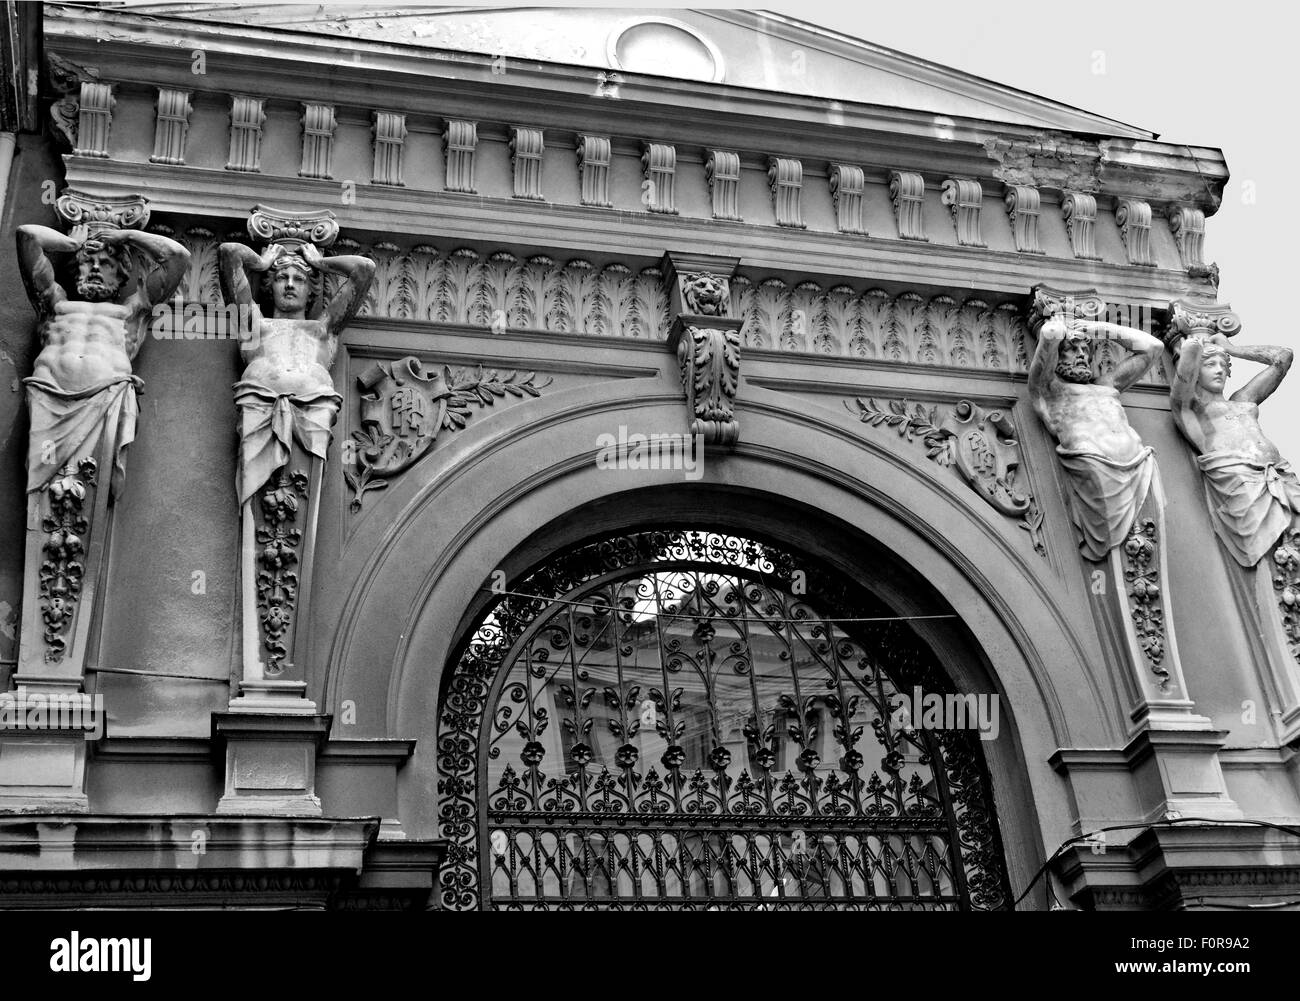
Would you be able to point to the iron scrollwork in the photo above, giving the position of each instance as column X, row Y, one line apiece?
column 685, row 731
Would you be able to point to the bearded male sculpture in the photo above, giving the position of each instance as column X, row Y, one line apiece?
column 81, row 397
column 1108, row 469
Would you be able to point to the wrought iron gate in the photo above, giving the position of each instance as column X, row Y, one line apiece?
column 667, row 719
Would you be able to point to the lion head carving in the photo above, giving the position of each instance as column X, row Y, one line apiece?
column 704, row 294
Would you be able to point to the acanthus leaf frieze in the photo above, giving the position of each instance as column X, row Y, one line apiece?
column 503, row 291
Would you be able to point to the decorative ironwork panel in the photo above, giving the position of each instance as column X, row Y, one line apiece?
column 664, row 719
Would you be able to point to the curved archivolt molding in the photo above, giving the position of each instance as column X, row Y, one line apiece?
column 468, row 508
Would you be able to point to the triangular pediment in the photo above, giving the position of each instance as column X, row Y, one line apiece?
column 756, row 50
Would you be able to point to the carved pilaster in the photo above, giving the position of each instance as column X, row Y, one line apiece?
column 1023, row 202
column 461, row 138
column 963, row 198
column 907, row 193
column 389, row 131
column 1134, row 220
column 1188, row 226
column 722, row 171
column 94, row 119
column 659, row 165
column 847, row 183
column 785, row 178
column 246, row 121
column 593, row 167
column 1080, row 212
column 526, row 149
column 172, row 126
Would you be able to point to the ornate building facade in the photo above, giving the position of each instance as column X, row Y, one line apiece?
column 691, row 461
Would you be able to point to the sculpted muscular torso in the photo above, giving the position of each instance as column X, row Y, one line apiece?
column 1084, row 414
column 1108, row 468
column 1253, row 494
column 81, row 386
column 1215, row 424
column 288, row 355
column 94, row 337
column 288, row 352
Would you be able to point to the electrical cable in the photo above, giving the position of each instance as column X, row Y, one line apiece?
column 1166, row 822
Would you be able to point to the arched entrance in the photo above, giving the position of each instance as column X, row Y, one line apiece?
column 691, row 719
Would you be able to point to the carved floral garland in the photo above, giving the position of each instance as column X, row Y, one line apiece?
column 62, row 572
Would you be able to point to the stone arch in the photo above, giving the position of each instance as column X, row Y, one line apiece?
column 503, row 498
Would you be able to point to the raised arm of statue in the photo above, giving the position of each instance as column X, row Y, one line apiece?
column 168, row 258
column 357, row 273
column 35, row 243
column 234, row 261
column 1042, row 369
column 1144, row 351
column 1266, row 382
column 1188, row 371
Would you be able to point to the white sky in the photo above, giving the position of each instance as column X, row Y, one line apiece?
column 1194, row 72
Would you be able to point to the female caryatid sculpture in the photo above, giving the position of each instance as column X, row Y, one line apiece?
column 287, row 408
column 1252, row 492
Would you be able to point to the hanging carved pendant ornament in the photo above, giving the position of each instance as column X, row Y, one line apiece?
column 706, row 339
column 1143, row 580
column 62, row 571
column 279, row 540
column 404, row 408
column 980, row 443
column 1286, row 582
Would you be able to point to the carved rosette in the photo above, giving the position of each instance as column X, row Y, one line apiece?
column 1142, row 580
column 980, row 444
column 62, row 571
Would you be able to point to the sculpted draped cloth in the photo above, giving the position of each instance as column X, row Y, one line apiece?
column 271, row 422
column 1105, row 496
column 68, row 427
column 1251, row 503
